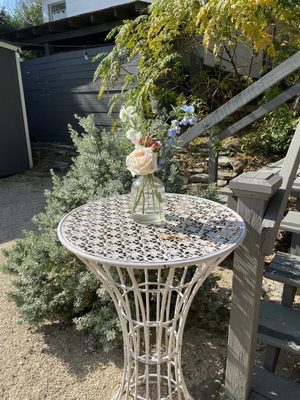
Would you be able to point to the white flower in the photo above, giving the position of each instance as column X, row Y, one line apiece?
column 174, row 123
column 133, row 135
column 142, row 161
column 129, row 116
column 123, row 114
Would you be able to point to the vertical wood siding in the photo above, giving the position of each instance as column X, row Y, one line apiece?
column 58, row 86
column 14, row 154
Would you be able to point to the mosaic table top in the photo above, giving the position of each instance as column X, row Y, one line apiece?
column 195, row 230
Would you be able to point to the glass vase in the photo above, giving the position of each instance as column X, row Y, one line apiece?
column 147, row 199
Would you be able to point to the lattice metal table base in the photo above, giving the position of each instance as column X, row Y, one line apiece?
column 152, row 305
column 150, row 273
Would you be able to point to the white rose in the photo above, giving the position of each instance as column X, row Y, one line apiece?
column 142, row 161
column 133, row 135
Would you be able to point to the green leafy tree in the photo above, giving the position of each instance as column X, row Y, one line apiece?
column 169, row 35
column 28, row 13
column 6, row 21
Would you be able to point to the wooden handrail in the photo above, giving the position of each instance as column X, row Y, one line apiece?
column 270, row 79
column 236, row 128
column 277, row 204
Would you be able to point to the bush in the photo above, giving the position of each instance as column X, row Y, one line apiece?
column 50, row 283
column 273, row 134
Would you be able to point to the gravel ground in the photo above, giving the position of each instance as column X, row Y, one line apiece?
column 53, row 362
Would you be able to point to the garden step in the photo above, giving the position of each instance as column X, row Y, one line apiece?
column 296, row 187
column 279, row 326
column 285, row 268
column 291, row 222
column 267, row 386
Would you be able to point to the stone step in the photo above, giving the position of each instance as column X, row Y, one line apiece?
column 296, row 187
column 291, row 222
column 279, row 326
column 268, row 386
column 285, row 268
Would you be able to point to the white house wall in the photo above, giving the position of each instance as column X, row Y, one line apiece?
column 76, row 7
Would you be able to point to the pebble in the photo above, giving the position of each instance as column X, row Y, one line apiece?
column 196, row 170
column 226, row 174
column 198, row 178
column 221, row 183
column 225, row 161
column 238, row 165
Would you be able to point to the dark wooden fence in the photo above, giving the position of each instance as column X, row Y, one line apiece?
column 57, row 87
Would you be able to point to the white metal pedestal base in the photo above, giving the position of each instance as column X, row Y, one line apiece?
column 150, row 273
column 152, row 305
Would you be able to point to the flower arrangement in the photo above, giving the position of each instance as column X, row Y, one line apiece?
column 148, row 156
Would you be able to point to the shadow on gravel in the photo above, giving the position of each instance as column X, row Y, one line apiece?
column 21, row 197
column 69, row 345
column 203, row 357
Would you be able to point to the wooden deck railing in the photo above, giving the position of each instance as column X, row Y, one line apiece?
column 250, row 93
column 261, row 200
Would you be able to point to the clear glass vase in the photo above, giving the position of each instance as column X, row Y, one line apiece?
column 147, row 199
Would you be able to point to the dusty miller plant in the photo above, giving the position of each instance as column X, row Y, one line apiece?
column 49, row 282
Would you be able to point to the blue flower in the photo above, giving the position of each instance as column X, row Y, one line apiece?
column 184, row 121
column 160, row 164
column 188, row 109
column 173, row 132
column 192, row 120
column 171, row 141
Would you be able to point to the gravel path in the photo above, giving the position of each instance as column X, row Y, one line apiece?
column 54, row 362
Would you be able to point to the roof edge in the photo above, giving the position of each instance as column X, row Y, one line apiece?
column 8, row 46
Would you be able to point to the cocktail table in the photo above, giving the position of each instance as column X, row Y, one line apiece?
column 152, row 273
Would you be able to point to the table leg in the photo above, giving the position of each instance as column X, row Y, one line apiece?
column 152, row 306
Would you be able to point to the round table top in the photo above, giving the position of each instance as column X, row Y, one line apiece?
column 195, row 230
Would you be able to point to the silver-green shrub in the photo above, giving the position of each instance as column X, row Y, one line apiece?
column 50, row 283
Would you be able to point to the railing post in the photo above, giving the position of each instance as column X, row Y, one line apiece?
column 254, row 190
column 212, row 160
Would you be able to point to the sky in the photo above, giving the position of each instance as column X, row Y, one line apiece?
column 8, row 4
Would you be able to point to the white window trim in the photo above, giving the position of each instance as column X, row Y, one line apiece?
column 50, row 13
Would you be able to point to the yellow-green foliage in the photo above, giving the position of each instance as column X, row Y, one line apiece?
column 165, row 38
column 257, row 23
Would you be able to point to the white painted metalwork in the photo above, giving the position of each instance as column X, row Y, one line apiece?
column 152, row 274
